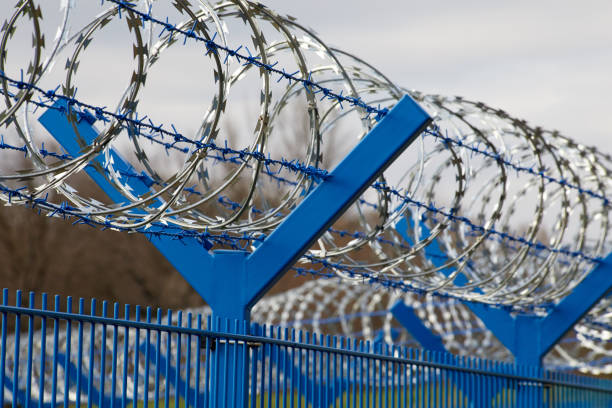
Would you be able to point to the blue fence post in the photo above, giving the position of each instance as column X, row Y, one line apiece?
column 528, row 337
column 247, row 277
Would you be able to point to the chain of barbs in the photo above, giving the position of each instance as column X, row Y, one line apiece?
column 521, row 212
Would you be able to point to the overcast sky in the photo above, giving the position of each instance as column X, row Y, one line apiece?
column 549, row 62
column 545, row 61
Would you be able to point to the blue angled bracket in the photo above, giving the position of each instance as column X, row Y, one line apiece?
column 527, row 337
column 230, row 281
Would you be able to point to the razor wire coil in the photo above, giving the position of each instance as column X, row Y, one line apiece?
column 492, row 161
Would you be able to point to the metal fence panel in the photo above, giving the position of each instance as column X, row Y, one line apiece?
column 98, row 355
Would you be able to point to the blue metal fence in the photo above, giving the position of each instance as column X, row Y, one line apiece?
column 102, row 356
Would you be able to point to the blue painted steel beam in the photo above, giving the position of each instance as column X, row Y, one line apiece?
column 232, row 281
column 187, row 254
column 528, row 337
column 54, row 120
column 407, row 317
column 331, row 198
column 596, row 285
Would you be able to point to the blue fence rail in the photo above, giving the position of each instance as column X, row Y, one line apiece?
column 102, row 356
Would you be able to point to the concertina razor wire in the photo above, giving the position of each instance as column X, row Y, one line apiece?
column 520, row 211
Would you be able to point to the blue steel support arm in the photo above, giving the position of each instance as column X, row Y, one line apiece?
column 187, row 255
column 288, row 242
column 408, row 318
column 56, row 123
column 530, row 337
column 527, row 337
column 577, row 304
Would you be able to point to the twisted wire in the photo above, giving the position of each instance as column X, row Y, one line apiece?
column 521, row 212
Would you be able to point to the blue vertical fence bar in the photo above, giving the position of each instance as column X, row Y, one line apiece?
column 141, row 360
